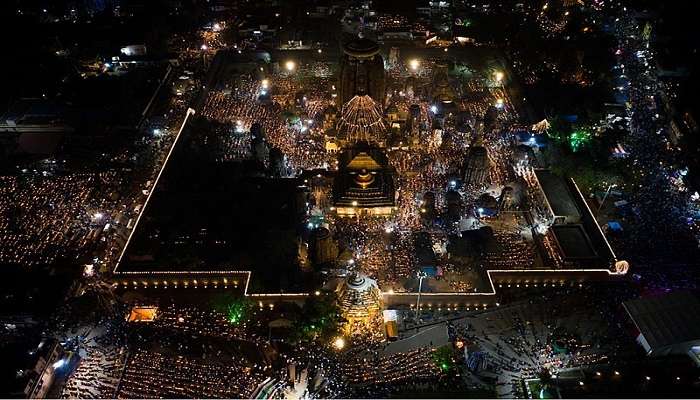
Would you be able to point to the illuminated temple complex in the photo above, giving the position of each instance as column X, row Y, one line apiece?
column 361, row 119
column 359, row 298
column 361, row 71
column 364, row 182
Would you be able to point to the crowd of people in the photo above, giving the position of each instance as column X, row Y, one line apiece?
column 522, row 340
column 98, row 374
column 52, row 213
column 151, row 374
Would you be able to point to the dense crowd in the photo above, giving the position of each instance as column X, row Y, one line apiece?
column 54, row 214
column 156, row 375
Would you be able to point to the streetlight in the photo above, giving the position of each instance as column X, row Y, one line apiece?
column 421, row 275
column 607, row 192
column 290, row 65
column 339, row 343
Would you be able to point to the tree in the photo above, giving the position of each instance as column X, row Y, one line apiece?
column 319, row 318
column 442, row 357
column 235, row 308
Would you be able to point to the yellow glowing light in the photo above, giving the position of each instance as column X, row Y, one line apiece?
column 414, row 64
column 499, row 76
column 265, row 83
column 339, row 343
column 290, row 65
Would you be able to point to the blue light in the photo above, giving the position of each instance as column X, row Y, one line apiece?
column 433, row 109
column 60, row 363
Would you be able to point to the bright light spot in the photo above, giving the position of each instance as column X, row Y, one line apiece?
column 498, row 75
column 265, row 83
column 303, row 129
column 351, row 261
column 290, row 65
column 108, row 65
column 263, row 92
column 388, row 229
column 354, row 203
column 480, row 210
column 433, row 109
column 320, row 51
column 217, row 27
column 499, row 103
column 648, row 378
column 310, row 225
column 414, row 64
column 98, row 216
column 60, row 363
column 453, row 183
column 204, row 47
column 339, row 343
column 89, row 270
column 156, row 131
column 180, row 320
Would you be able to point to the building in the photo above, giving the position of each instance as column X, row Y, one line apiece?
column 38, row 126
column 359, row 298
column 364, row 182
column 361, row 119
column 441, row 91
column 49, row 356
column 558, row 198
column 476, row 166
column 323, row 248
column 668, row 324
column 567, row 222
column 361, row 71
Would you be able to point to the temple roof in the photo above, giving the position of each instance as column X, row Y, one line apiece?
column 361, row 47
column 364, row 178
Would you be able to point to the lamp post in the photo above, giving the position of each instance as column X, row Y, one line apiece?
column 606, row 195
column 421, row 275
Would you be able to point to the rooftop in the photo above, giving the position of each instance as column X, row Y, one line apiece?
column 666, row 320
column 573, row 241
column 558, row 194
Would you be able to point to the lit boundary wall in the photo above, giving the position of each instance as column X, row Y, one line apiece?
column 233, row 279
